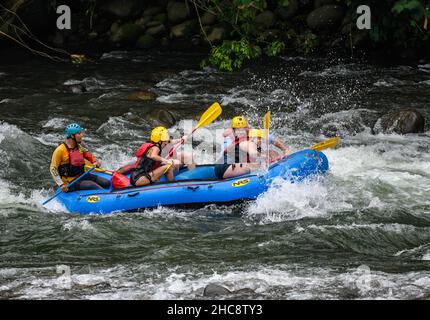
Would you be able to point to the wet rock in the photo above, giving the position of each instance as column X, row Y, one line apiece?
column 162, row 18
column 127, row 34
column 184, row 29
column 402, row 122
column 157, row 31
column 152, row 11
column 327, row 17
column 78, row 88
column 177, row 12
column 289, row 11
column 153, row 24
column 142, row 21
column 208, row 19
column 114, row 27
column 266, row 19
column 145, row 42
column 161, row 117
column 320, row 3
column 142, row 96
column 213, row 290
column 217, row 34
column 123, row 8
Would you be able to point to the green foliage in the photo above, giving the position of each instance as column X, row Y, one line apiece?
column 275, row 48
column 232, row 54
column 399, row 23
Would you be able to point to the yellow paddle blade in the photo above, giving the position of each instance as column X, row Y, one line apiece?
column 267, row 118
column 210, row 115
column 330, row 143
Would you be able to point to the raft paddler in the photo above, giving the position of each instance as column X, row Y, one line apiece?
column 257, row 136
column 239, row 154
column 150, row 166
column 68, row 162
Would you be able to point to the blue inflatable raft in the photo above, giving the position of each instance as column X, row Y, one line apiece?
column 197, row 187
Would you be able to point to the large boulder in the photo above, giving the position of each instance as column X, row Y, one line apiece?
column 208, row 19
column 327, row 17
column 183, row 30
column 152, row 11
column 156, row 31
column 217, row 34
column 123, row 8
column 214, row 290
column 289, row 11
column 145, row 42
column 320, row 3
column 266, row 19
column 402, row 122
column 127, row 34
column 177, row 12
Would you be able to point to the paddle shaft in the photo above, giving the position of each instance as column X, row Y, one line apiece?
column 69, row 185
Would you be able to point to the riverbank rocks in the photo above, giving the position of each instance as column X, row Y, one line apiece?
column 401, row 122
column 325, row 18
column 266, row 19
column 146, row 41
column 152, row 11
column 142, row 96
column 123, row 8
column 127, row 34
column 156, row 31
column 177, row 12
column 217, row 34
column 184, row 29
column 214, row 290
column 320, row 3
column 289, row 11
column 208, row 19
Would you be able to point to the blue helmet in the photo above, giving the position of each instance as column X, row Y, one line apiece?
column 73, row 128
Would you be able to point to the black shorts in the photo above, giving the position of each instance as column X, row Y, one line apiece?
column 220, row 169
column 136, row 175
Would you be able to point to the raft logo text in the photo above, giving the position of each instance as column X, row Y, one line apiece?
column 64, row 21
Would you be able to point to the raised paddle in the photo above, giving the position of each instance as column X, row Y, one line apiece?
column 267, row 118
column 69, row 185
column 330, row 143
column 207, row 118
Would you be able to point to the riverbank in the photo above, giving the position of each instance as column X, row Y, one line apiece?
column 293, row 27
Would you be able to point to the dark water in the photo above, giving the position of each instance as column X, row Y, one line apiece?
column 362, row 231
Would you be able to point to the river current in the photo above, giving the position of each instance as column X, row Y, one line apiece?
column 361, row 231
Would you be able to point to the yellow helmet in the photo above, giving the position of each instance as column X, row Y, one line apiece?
column 256, row 133
column 159, row 134
column 239, row 122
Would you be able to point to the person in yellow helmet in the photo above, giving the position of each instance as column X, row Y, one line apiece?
column 150, row 166
column 239, row 151
column 258, row 136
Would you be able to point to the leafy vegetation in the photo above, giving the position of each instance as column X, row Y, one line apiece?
column 398, row 23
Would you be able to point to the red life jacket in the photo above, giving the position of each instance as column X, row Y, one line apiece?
column 76, row 165
column 141, row 152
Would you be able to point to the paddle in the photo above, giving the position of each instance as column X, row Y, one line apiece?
column 69, row 185
column 330, row 143
column 207, row 118
column 267, row 118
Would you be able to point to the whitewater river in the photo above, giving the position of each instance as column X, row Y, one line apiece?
column 362, row 231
